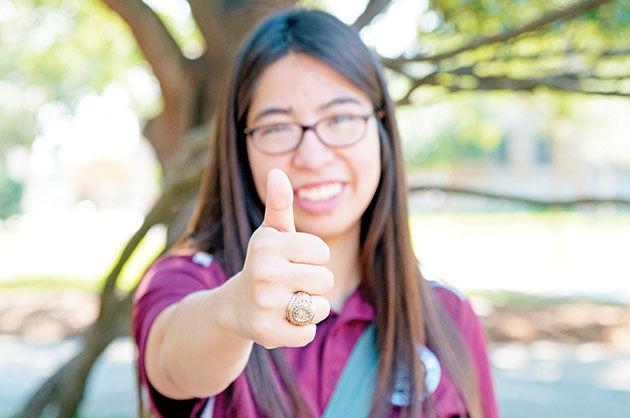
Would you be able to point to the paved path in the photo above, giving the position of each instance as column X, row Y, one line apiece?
column 540, row 380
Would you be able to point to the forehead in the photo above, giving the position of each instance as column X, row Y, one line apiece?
column 301, row 82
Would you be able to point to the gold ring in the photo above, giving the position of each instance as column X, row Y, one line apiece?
column 300, row 309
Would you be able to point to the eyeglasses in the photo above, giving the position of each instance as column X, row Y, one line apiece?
column 337, row 131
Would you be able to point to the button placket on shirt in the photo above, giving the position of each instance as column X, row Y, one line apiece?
column 332, row 363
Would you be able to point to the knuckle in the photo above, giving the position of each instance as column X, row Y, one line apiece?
column 261, row 245
column 327, row 311
column 260, row 332
column 325, row 252
column 263, row 298
column 328, row 278
column 259, row 273
column 309, row 333
column 265, row 270
column 267, row 273
column 321, row 245
column 269, row 345
column 326, row 307
column 270, row 233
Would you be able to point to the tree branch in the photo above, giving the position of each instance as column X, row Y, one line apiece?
column 415, row 83
column 563, row 82
column 571, row 83
column 158, row 46
column 210, row 24
column 566, row 203
column 559, row 15
column 608, row 53
column 179, row 77
column 373, row 9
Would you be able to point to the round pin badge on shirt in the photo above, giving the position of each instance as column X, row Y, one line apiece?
column 432, row 376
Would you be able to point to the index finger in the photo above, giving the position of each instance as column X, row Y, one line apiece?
column 302, row 247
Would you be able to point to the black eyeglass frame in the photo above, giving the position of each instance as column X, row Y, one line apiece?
column 249, row 132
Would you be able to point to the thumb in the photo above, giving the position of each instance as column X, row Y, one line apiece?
column 279, row 202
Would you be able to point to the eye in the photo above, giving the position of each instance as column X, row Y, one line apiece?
column 341, row 118
column 274, row 129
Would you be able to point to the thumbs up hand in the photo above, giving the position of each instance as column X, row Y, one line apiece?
column 279, row 202
column 280, row 262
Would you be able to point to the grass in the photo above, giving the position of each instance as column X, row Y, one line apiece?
column 49, row 284
column 515, row 298
column 525, row 253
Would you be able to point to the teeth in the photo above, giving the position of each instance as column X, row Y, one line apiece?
column 320, row 193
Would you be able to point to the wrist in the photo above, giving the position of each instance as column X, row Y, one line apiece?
column 228, row 313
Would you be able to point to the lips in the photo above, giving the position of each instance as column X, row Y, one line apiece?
column 319, row 198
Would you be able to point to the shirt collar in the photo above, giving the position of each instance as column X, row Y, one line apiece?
column 356, row 308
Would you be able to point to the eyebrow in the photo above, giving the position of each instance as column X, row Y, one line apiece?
column 286, row 111
column 271, row 111
column 338, row 100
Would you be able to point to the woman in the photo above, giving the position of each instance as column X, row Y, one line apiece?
column 296, row 278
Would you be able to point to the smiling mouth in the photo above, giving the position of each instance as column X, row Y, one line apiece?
column 320, row 193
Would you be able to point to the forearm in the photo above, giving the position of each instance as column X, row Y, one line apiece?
column 200, row 353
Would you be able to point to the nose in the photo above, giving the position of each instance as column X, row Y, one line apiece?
column 312, row 153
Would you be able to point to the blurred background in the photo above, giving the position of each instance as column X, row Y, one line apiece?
column 515, row 119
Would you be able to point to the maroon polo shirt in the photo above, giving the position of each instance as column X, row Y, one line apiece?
column 319, row 364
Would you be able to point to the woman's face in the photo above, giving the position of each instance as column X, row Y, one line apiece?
column 332, row 187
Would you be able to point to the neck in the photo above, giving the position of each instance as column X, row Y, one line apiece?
column 344, row 264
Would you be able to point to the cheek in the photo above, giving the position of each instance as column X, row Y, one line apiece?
column 367, row 166
column 259, row 172
column 260, row 165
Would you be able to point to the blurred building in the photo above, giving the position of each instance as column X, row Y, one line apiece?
column 542, row 158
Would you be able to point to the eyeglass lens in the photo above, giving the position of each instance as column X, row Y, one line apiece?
column 336, row 131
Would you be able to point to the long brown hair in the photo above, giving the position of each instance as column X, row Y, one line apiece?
column 229, row 210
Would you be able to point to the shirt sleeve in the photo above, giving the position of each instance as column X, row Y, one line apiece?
column 473, row 336
column 167, row 281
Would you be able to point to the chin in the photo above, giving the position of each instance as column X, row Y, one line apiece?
column 325, row 228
